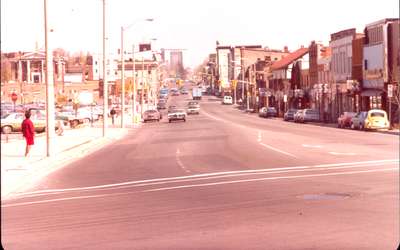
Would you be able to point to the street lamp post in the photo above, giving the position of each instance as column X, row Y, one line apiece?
column 134, row 84
column 123, row 70
column 105, row 84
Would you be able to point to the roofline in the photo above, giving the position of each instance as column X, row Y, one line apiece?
column 382, row 21
column 248, row 46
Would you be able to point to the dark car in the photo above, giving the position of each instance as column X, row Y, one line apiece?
column 344, row 120
column 268, row 112
column 289, row 115
column 161, row 105
column 171, row 108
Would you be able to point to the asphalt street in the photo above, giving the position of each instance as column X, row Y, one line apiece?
column 221, row 180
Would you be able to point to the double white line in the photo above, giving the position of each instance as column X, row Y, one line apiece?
column 213, row 179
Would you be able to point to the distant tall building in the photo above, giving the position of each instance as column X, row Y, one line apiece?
column 176, row 63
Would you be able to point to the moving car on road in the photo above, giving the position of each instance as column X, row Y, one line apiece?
column 344, row 120
column 227, row 100
column 151, row 115
column 268, row 112
column 177, row 114
column 193, row 108
column 171, row 108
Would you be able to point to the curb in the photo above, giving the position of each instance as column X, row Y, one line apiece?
column 45, row 166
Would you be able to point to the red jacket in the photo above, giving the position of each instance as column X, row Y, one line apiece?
column 28, row 130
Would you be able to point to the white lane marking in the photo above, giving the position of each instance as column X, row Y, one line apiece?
column 54, row 200
column 178, row 160
column 277, row 150
column 342, row 153
column 259, row 134
column 269, row 178
column 311, row 146
column 198, row 176
column 197, row 185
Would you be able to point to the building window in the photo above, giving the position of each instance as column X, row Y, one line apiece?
column 366, row 64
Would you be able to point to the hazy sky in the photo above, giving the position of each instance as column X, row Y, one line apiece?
column 186, row 24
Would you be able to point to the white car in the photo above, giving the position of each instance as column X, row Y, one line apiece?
column 227, row 100
column 177, row 114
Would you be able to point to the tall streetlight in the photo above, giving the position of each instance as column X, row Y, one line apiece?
column 105, row 84
column 123, row 68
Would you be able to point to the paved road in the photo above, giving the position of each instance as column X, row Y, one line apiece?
column 220, row 180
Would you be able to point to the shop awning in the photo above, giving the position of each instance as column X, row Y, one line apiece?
column 371, row 92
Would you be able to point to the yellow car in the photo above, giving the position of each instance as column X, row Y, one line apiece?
column 376, row 119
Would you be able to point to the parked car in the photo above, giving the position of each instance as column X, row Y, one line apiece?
column 227, row 100
column 309, row 115
column 177, row 114
column 374, row 119
column 344, row 120
column 268, row 112
column 151, row 115
column 377, row 119
column 358, row 121
column 289, row 115
column 298, row 115
column 12, row 122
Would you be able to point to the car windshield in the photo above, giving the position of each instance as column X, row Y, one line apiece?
column 377, row 114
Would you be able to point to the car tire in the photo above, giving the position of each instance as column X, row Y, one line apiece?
column 184, row 120
column 6, row 129
column 158, row 120
column 169, row 121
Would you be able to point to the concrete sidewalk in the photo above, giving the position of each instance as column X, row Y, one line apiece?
column 19, row 173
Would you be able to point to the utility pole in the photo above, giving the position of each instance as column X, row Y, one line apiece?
column 122, row 78
column 105, row 84
column 247, row 93
column 50, row 122
column 134, row 84
column 142, row 88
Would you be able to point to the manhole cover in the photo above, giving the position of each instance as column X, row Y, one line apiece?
column 326, row 196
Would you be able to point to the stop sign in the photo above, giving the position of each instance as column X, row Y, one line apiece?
column 14, row 97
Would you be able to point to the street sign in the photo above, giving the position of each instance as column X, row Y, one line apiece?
column 14, row 97
column 390, row 90
column 285, row 98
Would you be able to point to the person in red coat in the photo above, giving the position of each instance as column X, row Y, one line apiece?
column 28, row 131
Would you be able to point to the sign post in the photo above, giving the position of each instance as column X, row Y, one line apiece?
column 390, row 95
